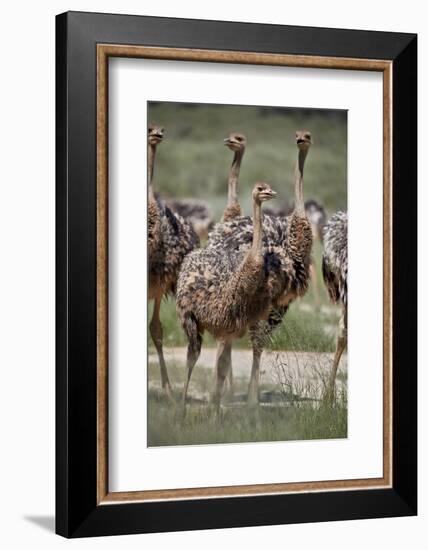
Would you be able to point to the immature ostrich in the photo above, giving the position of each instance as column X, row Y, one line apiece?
column 170, row 238
column 298, row 247
column 155, row 136
column 335, row 273
column 288, row 243
column 223, row 294
column 236, row 143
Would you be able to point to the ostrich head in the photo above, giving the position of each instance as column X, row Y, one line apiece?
column 303, row 139
column 155, row 134
column 236, row 142
column 262, row 192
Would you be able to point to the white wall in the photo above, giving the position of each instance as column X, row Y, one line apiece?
column 27, row 270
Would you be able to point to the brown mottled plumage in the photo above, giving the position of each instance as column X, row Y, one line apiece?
column 170, row 238
column 223, row 293
column 335, row 257
column 335, row 273
column 232, row 212
column 316, row 215
column 176, row 239
column 236, row 143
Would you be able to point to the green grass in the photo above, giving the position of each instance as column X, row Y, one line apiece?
column 287, row 420
column 303, row 422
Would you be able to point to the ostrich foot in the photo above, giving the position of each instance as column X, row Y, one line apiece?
column 253, row 391
column 168, row 392
column 252, row 400
column 229, row 394
column 180, row 415
column 215, row 414
column 329, row 394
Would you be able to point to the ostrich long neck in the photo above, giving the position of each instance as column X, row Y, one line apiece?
column 153, row 222
column 299, row 203
column 245, row 280
column 150, row 168
column 256, row 249
column 234, row 177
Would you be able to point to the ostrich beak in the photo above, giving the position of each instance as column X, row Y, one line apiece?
column 268, row 194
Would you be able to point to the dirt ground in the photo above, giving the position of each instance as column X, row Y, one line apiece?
column 301, row 372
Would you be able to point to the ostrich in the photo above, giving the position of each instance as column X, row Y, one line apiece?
column 298, row 246
column 195, row 211
column 288, row 243
column 223, row 294
column 170, row 238
column 236, row 143
column 155, row 136
column 335, row 274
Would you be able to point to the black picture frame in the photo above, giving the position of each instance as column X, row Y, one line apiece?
column 77, row 511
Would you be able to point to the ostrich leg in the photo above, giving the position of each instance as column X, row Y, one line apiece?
column 340, row 346
column 157, row 335
column 260, row 335
column 253, row 388
column 230, row 390
column 257, row 335
column 222, row 367
column 193, row 352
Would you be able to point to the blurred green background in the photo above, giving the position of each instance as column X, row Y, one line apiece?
column 193, row 162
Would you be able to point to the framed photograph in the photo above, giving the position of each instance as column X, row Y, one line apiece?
column 236, row 274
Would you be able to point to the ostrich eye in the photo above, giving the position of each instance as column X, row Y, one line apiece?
column 308, row 136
